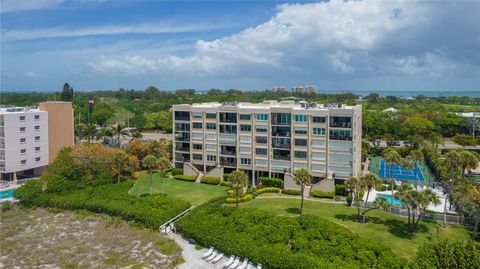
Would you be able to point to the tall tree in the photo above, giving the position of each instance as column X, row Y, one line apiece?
column 163, row 165
column 120, row 158
column 468, row 161
column 67, row 93
column 392, row 157
column 452, row 160
column 369, row 182
column 417, row 156
column 353, row 184
column 304, row 178
column 150, row 162
column 418, row 202
column 238, row 180
column 120, row 130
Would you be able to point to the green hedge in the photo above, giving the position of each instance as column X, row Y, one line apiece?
column 177, row 171
column 323, row 194
column 218, row 200
column 448, row 254
column 291, row 191
column 211, row 180
column 225, row 176
column 268, row 189
column 185, row 178
column 283, row 242
column 245, row 198
column 111, row 199
column 341, row 190
column 224, row 183
column 271, row 182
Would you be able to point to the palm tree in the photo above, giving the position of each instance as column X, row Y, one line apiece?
column 417, row 156
column 401, row 195
column 163, row 164
column 238, row 180
column 150, row 162
column 392, row 157
column 418, row 202
column 453, row 163
column 104, row 133
column 304, row 178
column 135, row 134
column 120, row 130
column 120, row 158
column 369, row 181
column 353, row 184
column 468, row 161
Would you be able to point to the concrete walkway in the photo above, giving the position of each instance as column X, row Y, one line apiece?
column 193, row 257
column 328, row 201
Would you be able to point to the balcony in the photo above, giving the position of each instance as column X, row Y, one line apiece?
column 182, row 127
column 283, row 155
column 341, row 122
column 281, row 143
column 281, row 131
column 228, row 117
column 340, row 135
column 228, row 161
column 182, row 136
column 228, row 129
column 228, row 150
column 182, row 158
column 281, row 118
column 182, row 115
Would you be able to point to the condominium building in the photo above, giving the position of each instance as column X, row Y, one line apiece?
column 270, row 139
column 23, row 142
column 309, row 89
column 30, row 137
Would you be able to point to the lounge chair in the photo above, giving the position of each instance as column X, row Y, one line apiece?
column 259, row 266
column 214, row 254
column 250, row 266
column 229, row 262
column 208, row 253
column 244, row 264
column 218, row 258
column 235, row 263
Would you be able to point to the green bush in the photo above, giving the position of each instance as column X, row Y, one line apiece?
column 448, row 254
column 185, row 178
column 218, row 200
column 211, row 180
column 177, row 171
column 322, row 194
column 5, row 206
column 245, row 198
column 224, row 183
column 291, row 191
column 349, row 200
column 283, row 242
column 112, row 199
column 268, row 189
column 466, row 140
column 230, row 193
column 271, row 182
column 225, row 176
column 341, row 190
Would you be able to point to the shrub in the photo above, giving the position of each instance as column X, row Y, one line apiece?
column 186, row 178
column 211, row 180
column 217, row 200
column 225, row 176
column 177, row 171
column 291, row 191
column 271, row 182
column 448, row 254
column 466, row 140
column 225, row 183
column 268, row 189
column 5, row 206
column 341, row 190
column 337, row 199
column 245, row 198
column 230, row 193
column 283, row 242
column 28, row 192
column 349, row 200
column 322, row 194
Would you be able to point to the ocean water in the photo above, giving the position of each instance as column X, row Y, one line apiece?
column 471, row 94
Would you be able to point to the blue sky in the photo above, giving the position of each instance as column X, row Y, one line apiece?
column 336, row 45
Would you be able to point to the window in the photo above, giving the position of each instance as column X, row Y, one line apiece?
column 211, row 126
column 318, row 167
column 319, row 131
column 245, row 116
column 197, row 146
column 261, row 128
column 37, row 128
column 318, row 156
column 301, row 154
column 22, row 129
column 245, row 150
column 37, row 138
column 261, row 139
column 197, row 125
column 23, row 162
column 344, row 122
column 211, row 158
column 245, row 127
column 318, row 119
column 197, row 115
column 37, row 149
column 36, row 117
column 211, row 115
column 210, row 147
column 197, row 136
column 262, row 163
column 318, row 143
column 182, row 115
column 23, row 140
column 341, row 135
column 301, row 142
column 281, row 118
column 228, row 117
column 246, row 161
column 37, row 159
column 23, row 151
column 211, row 137
column 262, row 117
column 301, row 118
column 300, row 130
column 228, row 129
column 197, row 157
column 22, row 118
column 261, row 151
column 245, row 139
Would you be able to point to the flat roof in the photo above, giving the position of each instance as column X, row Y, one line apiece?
column 270, row 104
column 17, row 109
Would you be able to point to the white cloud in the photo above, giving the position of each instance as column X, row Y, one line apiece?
column 430, row 64
column 21, row 5
column 31, row 74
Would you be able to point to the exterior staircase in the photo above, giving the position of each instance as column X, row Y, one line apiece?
column 306, row 191
column 199, row 177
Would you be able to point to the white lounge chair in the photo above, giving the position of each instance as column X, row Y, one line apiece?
column 259, row 266
column 211, row 257
column 208, row 253
column 235, row 263
column 250, row 266
column 229, row 262
column 244, row 264
column 218, row 258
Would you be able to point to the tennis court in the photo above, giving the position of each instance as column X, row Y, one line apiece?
column 380, row 167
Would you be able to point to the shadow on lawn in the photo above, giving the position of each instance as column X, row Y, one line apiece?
column 395, row 227
column 293, row 210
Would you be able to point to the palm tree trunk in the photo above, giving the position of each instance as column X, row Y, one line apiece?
column 416, row 178
column 236, row 197
column 303, row 194
column 408, row 211
column 475, row 228
column 118, row 178
column 151, row 182
column 445, row 210
column 161, row 181
column 365, row 207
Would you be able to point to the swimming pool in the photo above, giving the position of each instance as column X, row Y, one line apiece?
column 389, row 199
column 5, row 194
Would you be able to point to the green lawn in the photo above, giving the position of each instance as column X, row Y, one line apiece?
column 382, row 227
column 189, row 191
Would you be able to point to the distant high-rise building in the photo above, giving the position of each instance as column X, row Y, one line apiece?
column 279, row 89
column 309, row 89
